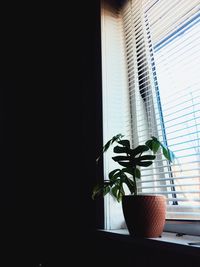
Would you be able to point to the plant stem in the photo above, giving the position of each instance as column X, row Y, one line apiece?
column 135, row 189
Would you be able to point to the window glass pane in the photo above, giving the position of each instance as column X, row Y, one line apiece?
column 177, row 61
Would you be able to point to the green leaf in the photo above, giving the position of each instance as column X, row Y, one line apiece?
column 115, row 190
column 115, row 177
column 116, row 138
column 155, row 147
column 145, row 163
column 168, row 154
column 122, row 176
column 146, row 157
column 139, row 149
column 133, row 171
column 113, row 174
column 97, row 190
column 149, row 144
column 121, row 189
column 125, row 164
column 120, row 193
column 121, row 158
column 137, row 173
column 130, row 170
column 143, row 159
column 119, row 149
column 109, row 143
column 154, row 139
column 153, row 144
column 125, row 143
column 106, row 189
column 130, row 184
column 131, row 160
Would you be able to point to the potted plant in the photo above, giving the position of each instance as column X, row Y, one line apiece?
column 144, row 214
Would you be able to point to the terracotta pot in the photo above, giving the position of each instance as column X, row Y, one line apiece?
column 144, row 214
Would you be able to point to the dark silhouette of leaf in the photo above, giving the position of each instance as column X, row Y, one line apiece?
column 121, row 149
column 125, row 143
column 114, row 190
column 97, row 190
column 130, row 184
column 146, row 157
column 115, row 138
column 106, row 190
column 129, row 170
column 145, row 163
column 120, row 193
column 139, row 149
column 119, row 158
column 149, row 144
column 126, row 164
column 107, row 145
column 137, row 173
column 114, row 174
column 130, row 163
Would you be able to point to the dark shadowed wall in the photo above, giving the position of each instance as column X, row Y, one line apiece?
column 50, row 133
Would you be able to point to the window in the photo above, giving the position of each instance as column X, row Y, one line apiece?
column 151, row 86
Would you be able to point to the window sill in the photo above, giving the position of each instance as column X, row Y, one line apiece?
column 170, row 241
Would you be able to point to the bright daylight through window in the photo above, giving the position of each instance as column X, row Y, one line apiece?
column 151, row 87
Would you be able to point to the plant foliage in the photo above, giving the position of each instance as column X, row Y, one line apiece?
column 130, row 161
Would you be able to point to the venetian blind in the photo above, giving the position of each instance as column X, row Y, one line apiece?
column 162, row 44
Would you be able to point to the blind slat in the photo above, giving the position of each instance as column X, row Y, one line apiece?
column 163, row 79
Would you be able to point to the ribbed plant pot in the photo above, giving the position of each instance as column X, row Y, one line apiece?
column 144, row 214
